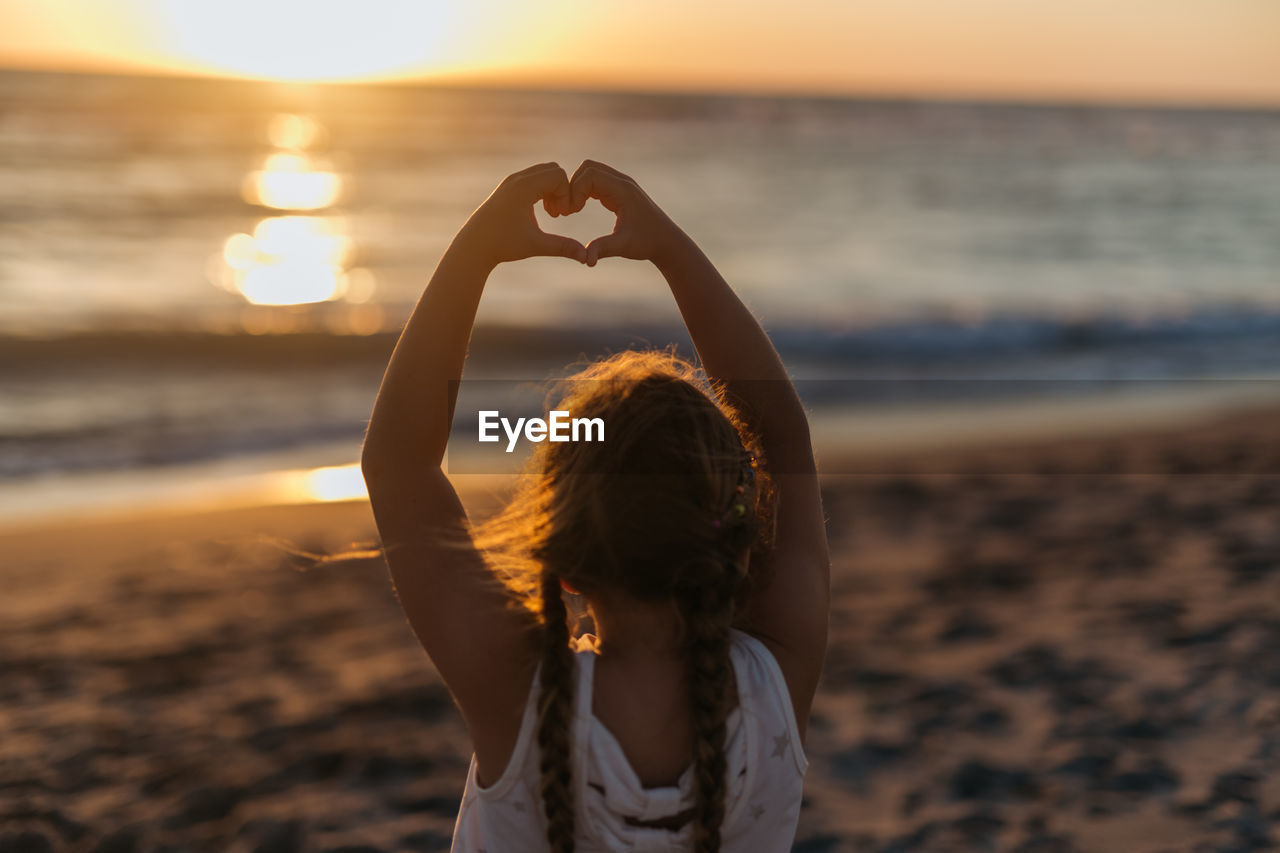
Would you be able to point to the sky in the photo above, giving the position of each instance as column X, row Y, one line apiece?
column 1175, row 51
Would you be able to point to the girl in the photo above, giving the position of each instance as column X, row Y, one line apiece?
column 679, row 724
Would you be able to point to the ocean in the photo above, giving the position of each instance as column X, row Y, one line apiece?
column 901, row 253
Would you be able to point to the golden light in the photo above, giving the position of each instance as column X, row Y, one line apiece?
column 360, row 285
column 335, row 483
column 306, row 485
column 293, row 283
column 314, row 238
column 292, row 259
column 291, row 181
column 309, row 40
column 289, row 260
column 294, row 132
column 240, row 252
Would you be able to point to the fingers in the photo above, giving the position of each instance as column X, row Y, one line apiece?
column 562, row 196
column 598, row 181
column 529, row 170
column 577, row 198
column 604, row 167
column 558, row 246
column 545, row 181
column 608, row 246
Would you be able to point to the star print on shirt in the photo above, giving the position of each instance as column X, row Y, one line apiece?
column 780, row 744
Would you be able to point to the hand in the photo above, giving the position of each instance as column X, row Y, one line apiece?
column 504, row 228
column 642, row 232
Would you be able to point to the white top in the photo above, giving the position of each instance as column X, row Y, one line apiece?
column 764, row 756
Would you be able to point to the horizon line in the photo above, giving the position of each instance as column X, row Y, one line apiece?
column 551, row 85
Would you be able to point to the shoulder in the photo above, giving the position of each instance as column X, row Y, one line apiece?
column 756, row 666
column 763, row 693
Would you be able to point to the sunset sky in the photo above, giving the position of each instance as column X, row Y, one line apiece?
column 1191, row 51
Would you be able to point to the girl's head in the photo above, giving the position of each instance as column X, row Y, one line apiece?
column 665, row 509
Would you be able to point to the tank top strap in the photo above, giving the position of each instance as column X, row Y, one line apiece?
column 584, row 661
column 584, row 666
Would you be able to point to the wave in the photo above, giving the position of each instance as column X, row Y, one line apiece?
column 1162, row 348
column 908, row 343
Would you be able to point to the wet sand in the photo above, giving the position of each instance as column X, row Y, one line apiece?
column 1056, row 646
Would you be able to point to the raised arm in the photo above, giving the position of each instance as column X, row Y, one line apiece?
column 482, row 647
column 789, row 610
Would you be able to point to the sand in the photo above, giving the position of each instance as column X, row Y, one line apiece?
column 1051, row 647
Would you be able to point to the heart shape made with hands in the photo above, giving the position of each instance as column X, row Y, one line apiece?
column 593, row 221
column 505, row 217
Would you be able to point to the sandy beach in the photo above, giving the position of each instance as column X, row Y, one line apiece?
column 1047, row 646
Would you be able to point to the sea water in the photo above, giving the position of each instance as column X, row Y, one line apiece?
column 897, row 251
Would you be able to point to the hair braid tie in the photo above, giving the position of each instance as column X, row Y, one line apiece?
column 554, row 714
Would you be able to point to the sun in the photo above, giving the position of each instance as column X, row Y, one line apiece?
column 309, row 40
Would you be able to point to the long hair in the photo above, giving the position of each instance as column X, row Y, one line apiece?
column 662, row 510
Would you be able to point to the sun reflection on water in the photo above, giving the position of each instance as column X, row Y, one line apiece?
column 335, row 483
column 294, row 132
column 304, row 254
column 290, row 260
column 289, row 181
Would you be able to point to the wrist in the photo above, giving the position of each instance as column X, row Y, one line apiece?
column 471, row 253
column 672, row 250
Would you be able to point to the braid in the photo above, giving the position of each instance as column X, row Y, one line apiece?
column 555, row 702
column 708, row 614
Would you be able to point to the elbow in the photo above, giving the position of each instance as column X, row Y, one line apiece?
column 372, row 462
column 378, row 469
column 387, row 462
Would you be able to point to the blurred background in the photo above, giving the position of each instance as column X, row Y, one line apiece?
column 214, row 218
